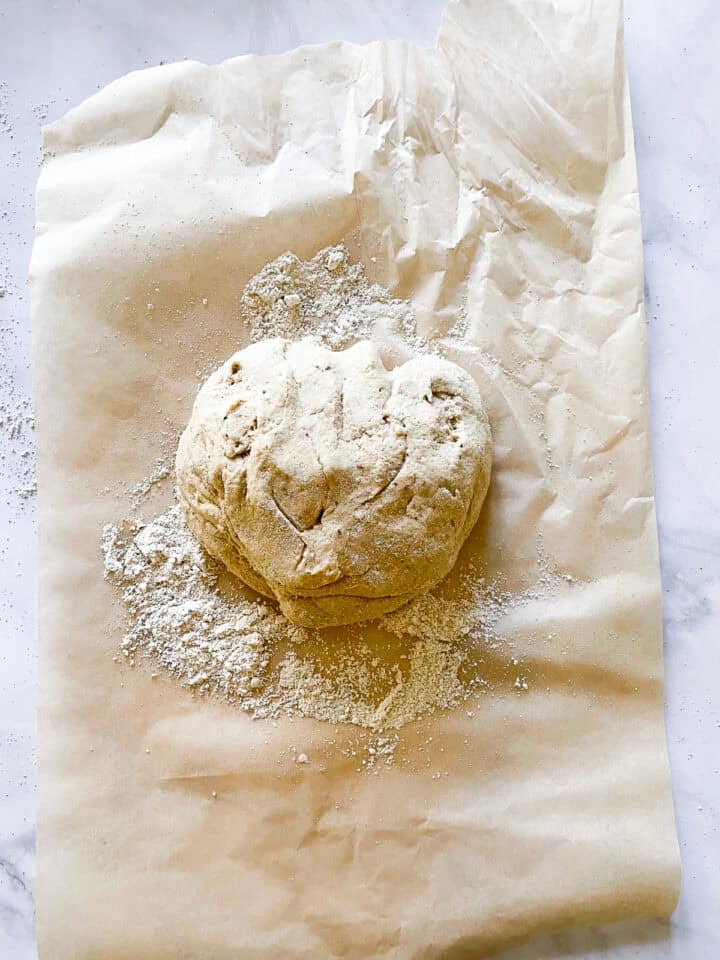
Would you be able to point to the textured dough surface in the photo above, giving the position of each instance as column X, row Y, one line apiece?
column 324, row 480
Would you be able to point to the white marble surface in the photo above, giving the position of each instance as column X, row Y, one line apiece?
column 53, row 54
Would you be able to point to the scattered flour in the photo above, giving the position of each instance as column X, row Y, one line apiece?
column 196, row 622
column 328, row 298
column 210, row 643
column 243, row 649
column 161, row 470
column 17, row 464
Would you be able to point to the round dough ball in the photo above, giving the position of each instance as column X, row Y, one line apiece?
column 324, row 480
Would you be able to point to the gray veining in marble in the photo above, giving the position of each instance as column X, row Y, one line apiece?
column 53, row 54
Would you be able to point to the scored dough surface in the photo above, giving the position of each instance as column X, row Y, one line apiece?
column 330, row 483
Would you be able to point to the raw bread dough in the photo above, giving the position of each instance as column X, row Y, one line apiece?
column 324, row 480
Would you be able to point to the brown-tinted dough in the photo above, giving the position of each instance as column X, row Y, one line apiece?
column 324, row 480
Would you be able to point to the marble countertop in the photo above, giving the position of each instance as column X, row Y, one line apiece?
column 54, row 54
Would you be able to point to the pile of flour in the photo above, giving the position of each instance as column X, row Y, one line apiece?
column 189, row 616
column 327, row 298
column 219, row 641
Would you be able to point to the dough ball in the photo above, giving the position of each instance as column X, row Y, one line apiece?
column 324, row 480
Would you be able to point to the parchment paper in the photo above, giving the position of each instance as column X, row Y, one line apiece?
column 492, row 179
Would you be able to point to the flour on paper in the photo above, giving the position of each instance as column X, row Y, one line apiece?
column 219, row 642
column 328, row 298
column 198, row 624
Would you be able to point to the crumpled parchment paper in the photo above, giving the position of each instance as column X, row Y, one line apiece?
column 492, row 181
